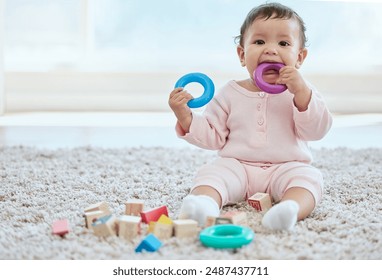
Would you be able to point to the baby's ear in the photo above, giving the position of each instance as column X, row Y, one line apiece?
column 241, row 54
column 301, row 57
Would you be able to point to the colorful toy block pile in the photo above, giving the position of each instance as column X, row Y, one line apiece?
column 158, row 225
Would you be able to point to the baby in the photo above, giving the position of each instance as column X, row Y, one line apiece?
column 261, row 138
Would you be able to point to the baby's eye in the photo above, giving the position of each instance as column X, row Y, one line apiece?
column 284, row 43
column 259, row 42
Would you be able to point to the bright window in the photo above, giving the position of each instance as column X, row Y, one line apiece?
column 169, row 36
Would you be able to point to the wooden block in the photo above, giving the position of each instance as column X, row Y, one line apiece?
column 223, row 221
column 150, row 244
column 105, row 226
column 163, row 219
column 237, row 218
column 60, row 227
column 134, row 207
column 128, row 226
column 91, row 217
column 151, row 227
column 260, row 201
column 163, row 228
column 100, row 206
column 185, row 228
column 210, row 221
column 154, row 214
column 233, row 217
column 163, row 231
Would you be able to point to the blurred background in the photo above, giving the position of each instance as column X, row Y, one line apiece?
column 126, row 55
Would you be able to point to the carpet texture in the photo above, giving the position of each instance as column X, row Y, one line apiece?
column 41, row 186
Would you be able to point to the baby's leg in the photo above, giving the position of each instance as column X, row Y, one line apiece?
column 296, row 204
column 299, row 188
column 216, row 184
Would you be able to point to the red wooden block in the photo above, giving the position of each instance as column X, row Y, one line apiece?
column 153, row 215
column 60, row 227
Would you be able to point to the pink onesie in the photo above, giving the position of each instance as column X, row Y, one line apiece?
column 261, row 141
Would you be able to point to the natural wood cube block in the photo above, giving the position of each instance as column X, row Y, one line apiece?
column 128, row 227
column 163, row 228
column 233, row 217
column 105, row 226
column 134, row 207
column 100, row 206
column 222, row 221
column 163, row 231
column 210, row 221
column 237, row 218
column 260, row 201
column 91, row 217
column 185, row 228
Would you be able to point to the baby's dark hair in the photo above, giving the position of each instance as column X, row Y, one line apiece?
column 267, row 11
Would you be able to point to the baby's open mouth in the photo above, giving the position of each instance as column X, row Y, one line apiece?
column 270, row 76
column 271, row 72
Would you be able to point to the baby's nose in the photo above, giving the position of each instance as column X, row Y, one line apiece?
column 270, row 51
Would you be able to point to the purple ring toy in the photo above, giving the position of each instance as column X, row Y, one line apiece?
column 258, row 77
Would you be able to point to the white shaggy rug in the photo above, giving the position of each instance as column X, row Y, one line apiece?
column 41, row 186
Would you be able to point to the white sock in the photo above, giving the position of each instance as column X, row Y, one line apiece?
column 198, row 208
column 281, row 216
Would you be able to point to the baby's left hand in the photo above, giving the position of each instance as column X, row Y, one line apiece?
column 292, row 78
column 296, row 85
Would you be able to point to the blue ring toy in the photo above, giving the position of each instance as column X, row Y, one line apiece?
column 202, row 79
column 226, row 236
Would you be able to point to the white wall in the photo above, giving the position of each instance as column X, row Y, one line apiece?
column 2, row 90
column 67, row 91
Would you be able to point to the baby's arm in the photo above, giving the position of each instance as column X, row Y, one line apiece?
column 208, row 130
column 178, row 103
column 312, row 118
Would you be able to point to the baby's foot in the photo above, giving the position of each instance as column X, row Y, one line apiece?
column 198, row 208
column 281, row 216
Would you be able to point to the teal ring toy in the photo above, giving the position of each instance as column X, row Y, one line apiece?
column 202, row 79
column 226, row 236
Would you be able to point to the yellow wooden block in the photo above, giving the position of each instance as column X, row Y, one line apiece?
column 151, row 227
column 163, row 219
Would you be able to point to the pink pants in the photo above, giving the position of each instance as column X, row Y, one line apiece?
column 236, row 181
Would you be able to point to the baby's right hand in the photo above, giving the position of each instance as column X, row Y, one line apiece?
column 178, row 99
column 178, row 103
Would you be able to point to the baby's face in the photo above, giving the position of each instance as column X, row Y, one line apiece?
column 271, row 40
